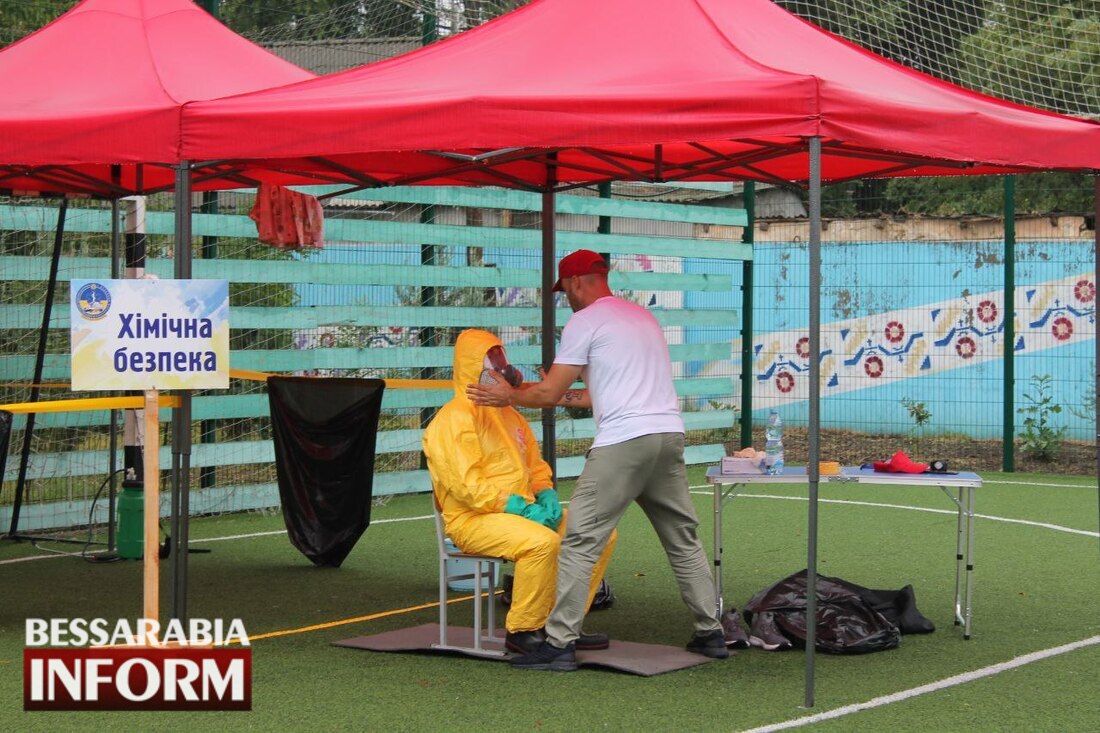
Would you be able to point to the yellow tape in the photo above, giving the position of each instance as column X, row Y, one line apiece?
column 249, row 375
column 358, row 619
column 137, row 403
column 255, row 376
column 89, row 403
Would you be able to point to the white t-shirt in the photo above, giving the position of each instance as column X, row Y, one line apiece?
column 626, row 368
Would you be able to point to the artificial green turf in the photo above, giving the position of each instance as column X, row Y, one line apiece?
column 1035, row 588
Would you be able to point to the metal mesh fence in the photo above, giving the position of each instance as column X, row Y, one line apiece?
column 913, row 280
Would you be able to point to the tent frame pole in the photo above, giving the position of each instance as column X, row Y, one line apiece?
column 112, row 434
column 549, row 207
column 1008, row 422
column 814, row 427
column 181, row 416
column 748, row 236
column 39, row 364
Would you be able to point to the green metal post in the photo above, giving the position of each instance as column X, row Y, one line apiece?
column 1095, row 337
column 427, row 336
column 429, row 28
column 604, row 224
column 1008, row 441
column 748, row 237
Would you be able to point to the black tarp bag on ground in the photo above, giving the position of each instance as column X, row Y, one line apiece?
column 324, row 434
column 851, row 619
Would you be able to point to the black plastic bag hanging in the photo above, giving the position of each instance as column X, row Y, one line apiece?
column 324, row 435
column 5, row 437
column 851, row 619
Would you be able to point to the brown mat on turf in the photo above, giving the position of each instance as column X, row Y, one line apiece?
column 625, row 656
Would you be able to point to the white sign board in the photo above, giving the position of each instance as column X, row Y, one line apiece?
column 149, row 334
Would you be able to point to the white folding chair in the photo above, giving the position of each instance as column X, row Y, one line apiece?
column 485, row 568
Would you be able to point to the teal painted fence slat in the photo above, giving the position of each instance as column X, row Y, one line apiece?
column 391, row 232
column 498, row 198
column 56, row 366
column 29, row 316
column 281, row 271
column 49, row 515
column 247, row 452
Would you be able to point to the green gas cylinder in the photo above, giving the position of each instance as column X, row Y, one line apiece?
column 131, row 523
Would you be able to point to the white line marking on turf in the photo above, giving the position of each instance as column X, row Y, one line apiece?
column 931, row 510
column 211, row 539
column 1035, row 483
column 702, row 490
column 283, row 531
column 958, row 679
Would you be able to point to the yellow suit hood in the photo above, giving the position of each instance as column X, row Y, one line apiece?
column 470, row 349
column 479, row 456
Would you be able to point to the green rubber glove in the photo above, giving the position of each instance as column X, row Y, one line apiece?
column 515, row 505
column 537, row 513
column 548, row 500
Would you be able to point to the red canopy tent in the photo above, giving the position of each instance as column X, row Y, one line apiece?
column 104, row 85
column 676, row 90
column 567, row 92
column 91, row 105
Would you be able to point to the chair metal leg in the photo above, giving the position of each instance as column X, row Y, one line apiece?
column 494, row 571
column 477, row 605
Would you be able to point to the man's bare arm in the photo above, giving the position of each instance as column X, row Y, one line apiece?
column 575, row 398
column 547, row 393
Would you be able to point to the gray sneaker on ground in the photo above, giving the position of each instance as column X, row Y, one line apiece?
column 765, row 634
column 734, row 632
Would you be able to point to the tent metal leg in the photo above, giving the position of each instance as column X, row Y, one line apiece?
column 549, row 206
column 814, row 427
column 181, row 416
column 39, row 363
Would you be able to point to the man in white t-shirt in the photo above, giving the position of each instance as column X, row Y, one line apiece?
column 620, row 352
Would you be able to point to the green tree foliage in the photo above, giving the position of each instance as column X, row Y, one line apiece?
column 1037, row 193
column 1063, row 76
column 324, row 19
column 1000, row 48
column 18, row 19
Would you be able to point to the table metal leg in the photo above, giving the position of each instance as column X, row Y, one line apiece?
column 969, row 558
column 718, row 548
column 959, row 536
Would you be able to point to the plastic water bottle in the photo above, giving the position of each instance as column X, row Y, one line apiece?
column 773, row 445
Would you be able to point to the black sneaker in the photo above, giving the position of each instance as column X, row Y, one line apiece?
column 709, row 643
column 523, row 642
column 735, row 635
column 592, row 642
column 764, row 633
column 549, row 658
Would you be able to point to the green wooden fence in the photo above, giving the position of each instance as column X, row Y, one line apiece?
column 16, row 368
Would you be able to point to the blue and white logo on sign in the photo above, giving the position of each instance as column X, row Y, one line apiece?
column 93, row 300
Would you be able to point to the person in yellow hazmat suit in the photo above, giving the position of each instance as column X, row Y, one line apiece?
column 496, row 492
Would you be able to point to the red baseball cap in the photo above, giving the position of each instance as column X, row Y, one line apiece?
column 581, row 262
column 900, row 463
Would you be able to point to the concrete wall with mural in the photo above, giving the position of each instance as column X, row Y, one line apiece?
column 923, row 320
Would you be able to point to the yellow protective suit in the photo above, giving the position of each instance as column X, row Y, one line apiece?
column 480, row 456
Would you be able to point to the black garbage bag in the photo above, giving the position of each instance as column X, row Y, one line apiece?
column 851, row 619
column 324, row 435
column 5, row 437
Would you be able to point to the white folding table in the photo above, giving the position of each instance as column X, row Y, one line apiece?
column 727, row 486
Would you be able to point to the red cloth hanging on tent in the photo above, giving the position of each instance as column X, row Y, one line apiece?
column 287, row 219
